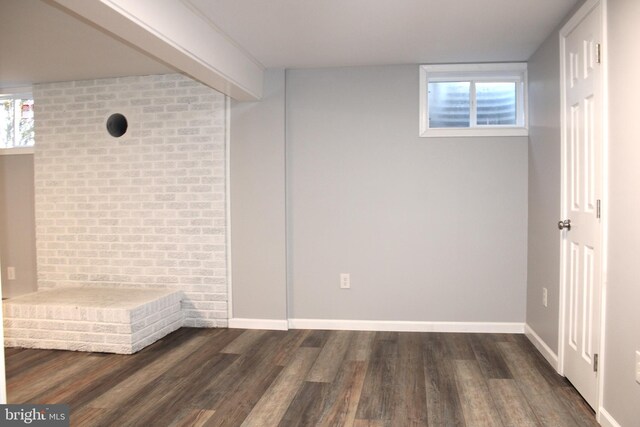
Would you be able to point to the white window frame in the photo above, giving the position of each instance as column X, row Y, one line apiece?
column 17, row 93
column 500, row 72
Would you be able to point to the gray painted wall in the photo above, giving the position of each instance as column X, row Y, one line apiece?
column 430, row 229
column 17, row 224
column 543, row 266
column 622, row 393
column 258, row 230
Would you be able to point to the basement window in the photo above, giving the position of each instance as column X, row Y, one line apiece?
column 473, row 100
column 16, row 123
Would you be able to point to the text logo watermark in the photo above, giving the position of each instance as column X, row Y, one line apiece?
column 34, row 415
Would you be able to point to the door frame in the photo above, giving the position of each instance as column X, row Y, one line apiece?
column 570, row 25
column 3, row 375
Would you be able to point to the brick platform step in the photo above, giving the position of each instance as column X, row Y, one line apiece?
column 109, row 320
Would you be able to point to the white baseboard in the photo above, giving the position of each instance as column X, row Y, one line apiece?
column 542, row 347
column 407, row 326
column 271, row 324
column 606, row 420
column 378, row 325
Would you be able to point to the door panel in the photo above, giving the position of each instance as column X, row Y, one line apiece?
column 582, row 160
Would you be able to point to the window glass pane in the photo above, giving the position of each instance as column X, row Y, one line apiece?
column 449, row 104
column 6, row 123
column 16, row 123
column 25, row 135
column 496, row 103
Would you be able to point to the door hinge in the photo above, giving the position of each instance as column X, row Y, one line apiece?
column 598, row 53
column 595, row 362
column 598, row 210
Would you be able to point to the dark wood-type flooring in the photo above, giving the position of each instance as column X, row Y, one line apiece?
column 231, row 377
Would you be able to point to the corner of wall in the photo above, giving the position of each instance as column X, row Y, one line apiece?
column 542, row 347
column 606, row 420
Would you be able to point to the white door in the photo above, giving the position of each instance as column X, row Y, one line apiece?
column 582, row 172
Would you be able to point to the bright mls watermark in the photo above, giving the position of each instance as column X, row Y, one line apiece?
column 34, row 415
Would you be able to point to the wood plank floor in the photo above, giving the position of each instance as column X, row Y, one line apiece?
column 232, row 377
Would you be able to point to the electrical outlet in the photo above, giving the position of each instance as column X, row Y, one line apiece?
column 545, row 294
column 638, row 367
column 345, row 280
column 11, row 273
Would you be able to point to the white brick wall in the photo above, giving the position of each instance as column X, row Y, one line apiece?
column 144, row 210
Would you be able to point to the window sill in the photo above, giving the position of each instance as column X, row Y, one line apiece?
column 16, row 150
column 473, row 132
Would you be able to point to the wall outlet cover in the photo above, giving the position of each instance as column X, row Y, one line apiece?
column 345, row 281
column 638, row 367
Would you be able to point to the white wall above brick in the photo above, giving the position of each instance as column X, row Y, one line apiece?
column 144, row 210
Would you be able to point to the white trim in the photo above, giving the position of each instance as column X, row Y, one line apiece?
column 15, row 92
column 287, row 229
column 563, row 197
column 578, row 16
column 542, row 346
column 606, row 420
column 474, row 131
column 499, row 68
column 3, row 376
column 604, row 207
column 516, row 72
column 227, row 191
column 269, row 324
column 407, row 326
column 14, row 151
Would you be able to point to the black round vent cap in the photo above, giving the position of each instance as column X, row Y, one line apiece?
column 117, row 125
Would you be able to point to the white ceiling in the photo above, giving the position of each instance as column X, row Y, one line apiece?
column 324, row 33
column 42, row 43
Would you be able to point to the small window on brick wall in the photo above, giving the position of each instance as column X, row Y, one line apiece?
column 473, row 100
column 16, row 121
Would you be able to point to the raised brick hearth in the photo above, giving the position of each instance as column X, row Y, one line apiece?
column 111, row 320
